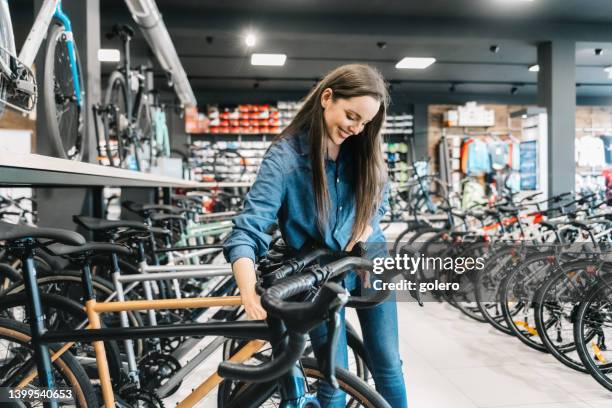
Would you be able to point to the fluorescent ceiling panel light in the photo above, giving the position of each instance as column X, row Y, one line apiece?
column 414, row 63
column 109, row 55
column 608, row 70
column 250, row 40
column 268, row 59
column 534, row 68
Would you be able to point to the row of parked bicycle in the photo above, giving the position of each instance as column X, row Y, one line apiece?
column 123, row 320
column 546, row 277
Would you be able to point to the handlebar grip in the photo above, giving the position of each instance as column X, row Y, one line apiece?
column 269, row 370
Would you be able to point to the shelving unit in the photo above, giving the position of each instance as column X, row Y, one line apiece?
column 37, row 170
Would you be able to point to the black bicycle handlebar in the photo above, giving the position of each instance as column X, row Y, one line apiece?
column 299, row 317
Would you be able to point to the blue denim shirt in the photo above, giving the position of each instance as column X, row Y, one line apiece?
column 283, row 193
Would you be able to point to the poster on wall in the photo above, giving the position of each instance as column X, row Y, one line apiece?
column 529, row 165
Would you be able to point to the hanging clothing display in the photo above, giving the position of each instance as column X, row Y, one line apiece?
column 500, row 155
column 475, row 157
column 590, row 152
column 607, row 140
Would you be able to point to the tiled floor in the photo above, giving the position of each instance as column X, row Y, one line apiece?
column 453, row 361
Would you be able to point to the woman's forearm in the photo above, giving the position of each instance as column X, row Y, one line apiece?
column 244, row 273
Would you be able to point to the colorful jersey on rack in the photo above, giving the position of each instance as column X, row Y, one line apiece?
column 478, row 160
column 500, row 155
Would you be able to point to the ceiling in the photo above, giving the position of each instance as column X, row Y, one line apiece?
column 318, row 35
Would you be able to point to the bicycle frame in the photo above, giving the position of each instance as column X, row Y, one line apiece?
column 51, row 9
column 292, row 385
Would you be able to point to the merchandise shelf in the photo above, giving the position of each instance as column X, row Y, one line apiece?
column 37, row 170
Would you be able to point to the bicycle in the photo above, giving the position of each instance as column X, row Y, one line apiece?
column 134, row 132
column 63, row 91
column 24, row 241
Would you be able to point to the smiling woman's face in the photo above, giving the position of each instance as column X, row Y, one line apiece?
column 347, row 117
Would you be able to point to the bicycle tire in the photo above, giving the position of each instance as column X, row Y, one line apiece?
column 513, row 287
column 65, row 367
column 68, row 308
column 493, row 273
column 99, row 284
column 583, row 316
column 66, row 133
column 357, row 391
column 547, row 298
column 116, row 95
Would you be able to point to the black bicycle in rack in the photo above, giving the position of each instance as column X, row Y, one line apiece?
column 132, row 133
column 546, row 278
column 291, row 322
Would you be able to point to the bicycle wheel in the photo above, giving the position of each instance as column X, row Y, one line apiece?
column 16, row 360
column 517, row 294
column 595, row 314
column 487, row 284
column 116, row 124
column 64, row 314
column 359, row 394
column 69, row 285
column 425, row 198
column 555, row 306
column 65, row 116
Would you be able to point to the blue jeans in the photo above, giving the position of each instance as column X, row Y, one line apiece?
column 380, row 338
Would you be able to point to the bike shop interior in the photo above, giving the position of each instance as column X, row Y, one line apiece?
column 140, row 126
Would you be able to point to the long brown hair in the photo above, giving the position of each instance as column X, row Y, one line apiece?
column 346, row 82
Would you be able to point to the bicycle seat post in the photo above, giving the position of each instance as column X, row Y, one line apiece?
column 26, row 249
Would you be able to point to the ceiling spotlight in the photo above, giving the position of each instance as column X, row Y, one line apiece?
column 452, row 88
column 381, row 44
column 209, row 39
column 250, row 40
column 494, row 48
column 534, row 68
column 513, row 90
column 256, row 84
column 268, row 59
column 598, row 51
column 414, row 63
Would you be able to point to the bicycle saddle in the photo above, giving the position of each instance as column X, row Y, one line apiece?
column 16, row 232
column 122, row 31
column 88, row 249
column 145, row 210
column 165, row 217
column 100, row 224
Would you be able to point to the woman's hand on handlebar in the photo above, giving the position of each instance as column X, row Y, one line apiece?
column 253, row 308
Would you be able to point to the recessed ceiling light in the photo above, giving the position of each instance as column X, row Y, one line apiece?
column 250, row 40
column 608, row 70
column 414, row 63
column 268, row 59
column 109, row 55
column 534, row 68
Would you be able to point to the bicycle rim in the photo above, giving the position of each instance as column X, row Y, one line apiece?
column 65, row 118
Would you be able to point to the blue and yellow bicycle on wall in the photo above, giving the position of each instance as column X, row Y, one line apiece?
column 62, row 88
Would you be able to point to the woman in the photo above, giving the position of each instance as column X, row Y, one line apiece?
column 324, row 180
